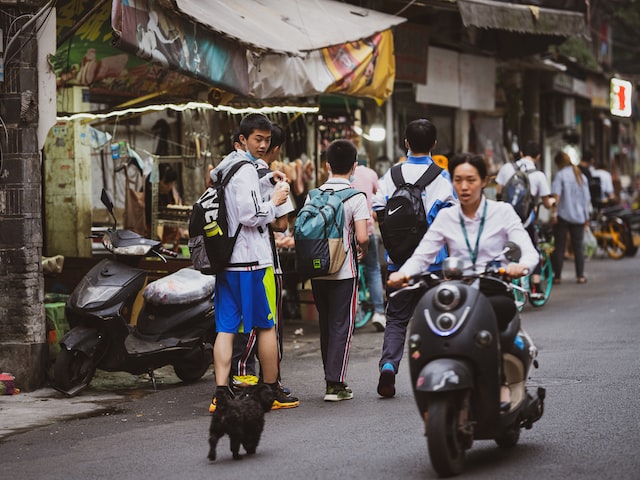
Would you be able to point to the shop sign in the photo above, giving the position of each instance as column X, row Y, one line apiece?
column 620, row 98
column 598, row 92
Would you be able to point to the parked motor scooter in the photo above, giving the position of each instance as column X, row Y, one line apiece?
column 459, row 360
column 175, row 325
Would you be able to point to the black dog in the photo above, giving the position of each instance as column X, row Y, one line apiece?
column 242, row 418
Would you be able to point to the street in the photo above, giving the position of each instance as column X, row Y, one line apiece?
column 587, row 337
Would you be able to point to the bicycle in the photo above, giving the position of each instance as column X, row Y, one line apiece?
column 545, row 246
column 365, row 306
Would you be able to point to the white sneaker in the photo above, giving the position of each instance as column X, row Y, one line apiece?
column 379, row 321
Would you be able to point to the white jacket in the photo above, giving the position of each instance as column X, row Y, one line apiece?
column 245, row 206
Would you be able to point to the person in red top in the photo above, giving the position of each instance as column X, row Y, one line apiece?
column 365, row 179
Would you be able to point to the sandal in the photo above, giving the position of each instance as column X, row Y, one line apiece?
column 582, row 280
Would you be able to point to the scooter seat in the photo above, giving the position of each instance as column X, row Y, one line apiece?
column 182, row 287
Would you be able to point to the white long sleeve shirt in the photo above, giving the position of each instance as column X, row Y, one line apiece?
column 245, row 206
column 501, row 224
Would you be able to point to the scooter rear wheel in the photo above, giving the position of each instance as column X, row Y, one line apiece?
column 194, row 365
column 73, row 371
column 446, row 447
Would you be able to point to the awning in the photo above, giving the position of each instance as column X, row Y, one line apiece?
column 291, row 27
column 264, row 49
column 489, row 14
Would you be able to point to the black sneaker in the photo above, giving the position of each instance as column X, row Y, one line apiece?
column 387, row 381
column 281, row 400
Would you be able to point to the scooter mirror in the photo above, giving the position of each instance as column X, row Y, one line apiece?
column 512, row 252
column 452, row 268
column 107, row 201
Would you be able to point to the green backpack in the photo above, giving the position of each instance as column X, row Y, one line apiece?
column 318, row 233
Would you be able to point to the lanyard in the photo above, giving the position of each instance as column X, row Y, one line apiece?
column 474, row 253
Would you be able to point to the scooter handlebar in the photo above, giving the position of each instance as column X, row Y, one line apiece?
column 168, row 253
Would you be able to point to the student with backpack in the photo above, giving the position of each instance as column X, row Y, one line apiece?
column 523, row 186
column 245, row 289
column 404, row 214
column 243, row 365
column 336, row 291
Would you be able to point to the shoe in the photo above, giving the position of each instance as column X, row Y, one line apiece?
column 557, row 281
column 223, row 393
column 242, row 381
column 379, row 321
column 536, row 296
column 285, row 390
column 337, row 392
column 282, row 400
column 387, row 381
column 582, row 279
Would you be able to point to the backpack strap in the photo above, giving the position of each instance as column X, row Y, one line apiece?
column 428, row 176
column 232, row 171
column 396, row 175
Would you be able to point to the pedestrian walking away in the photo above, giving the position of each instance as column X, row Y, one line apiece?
column 420, row 139
column 336, row 295
column 365, row 179
column 571, row 189
column 540, row 193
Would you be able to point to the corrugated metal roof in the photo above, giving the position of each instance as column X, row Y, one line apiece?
column 290, row 27
column 521, row 18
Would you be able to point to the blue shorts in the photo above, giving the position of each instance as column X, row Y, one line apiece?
column 247, row 298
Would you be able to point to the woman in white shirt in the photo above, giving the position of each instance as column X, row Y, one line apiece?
column 475, row 231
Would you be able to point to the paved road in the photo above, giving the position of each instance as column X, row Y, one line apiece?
column 588, row 339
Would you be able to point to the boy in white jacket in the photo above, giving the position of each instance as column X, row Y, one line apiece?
column 245, row 290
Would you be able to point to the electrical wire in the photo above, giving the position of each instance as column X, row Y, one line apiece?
column 48, row 8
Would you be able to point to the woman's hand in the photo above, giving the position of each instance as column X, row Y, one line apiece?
column 397, row 280
column 516, row 270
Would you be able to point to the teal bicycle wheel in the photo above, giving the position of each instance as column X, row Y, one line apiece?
column 546, row 281
column 365, row 307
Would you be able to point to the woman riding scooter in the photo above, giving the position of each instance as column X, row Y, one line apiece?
column 474, row 231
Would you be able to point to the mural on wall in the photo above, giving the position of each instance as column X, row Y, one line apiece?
column 164, row 38
column 88, row 58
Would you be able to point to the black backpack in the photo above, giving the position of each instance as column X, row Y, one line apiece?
column 517, row 192
column 210, row 242
column 404, row 220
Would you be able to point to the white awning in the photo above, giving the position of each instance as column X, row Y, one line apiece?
column 291, row 27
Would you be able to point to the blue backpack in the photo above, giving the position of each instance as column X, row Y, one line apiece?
column 318, row 233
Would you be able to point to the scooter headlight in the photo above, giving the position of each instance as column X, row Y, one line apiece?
column 446, row 322
column 447, row 297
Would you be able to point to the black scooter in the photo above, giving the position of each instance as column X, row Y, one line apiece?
column 175, row 325
column 459, row 360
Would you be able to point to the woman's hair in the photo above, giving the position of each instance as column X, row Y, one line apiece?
column 472, row 159
column 563, row 160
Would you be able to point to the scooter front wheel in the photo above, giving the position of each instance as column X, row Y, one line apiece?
column 446, row 445
column 194, row 365
column 73, row 371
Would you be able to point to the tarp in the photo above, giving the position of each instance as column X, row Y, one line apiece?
column 265, row 49
column 136, row 50
column 291, row 27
